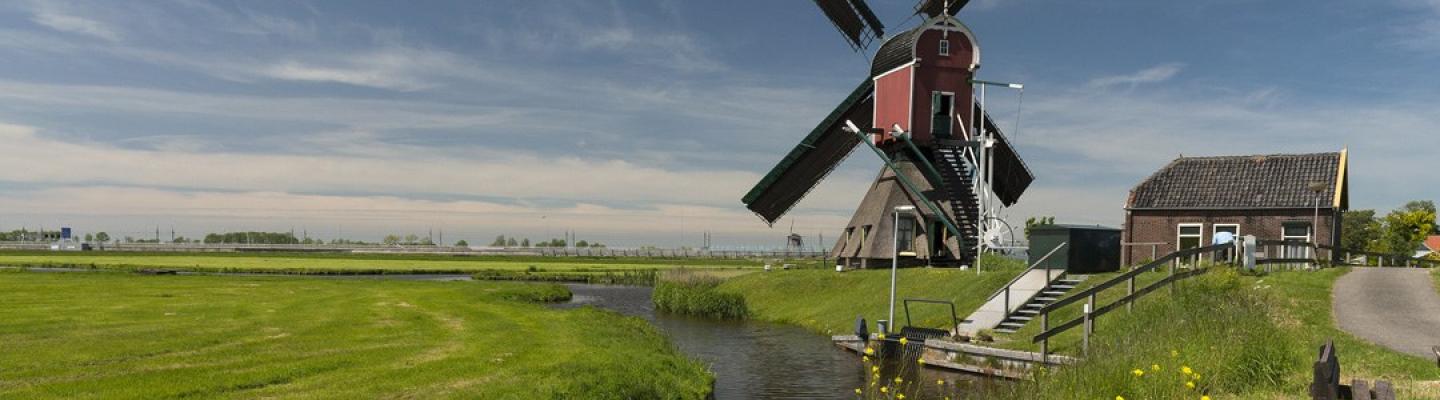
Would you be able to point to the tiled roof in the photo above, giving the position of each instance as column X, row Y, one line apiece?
column 1433, row 243
column 1229, row 182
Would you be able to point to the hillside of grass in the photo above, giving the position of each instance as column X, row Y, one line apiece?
column 126, row 336
column 325, row 263
column 1245, row 337
column 828, row 302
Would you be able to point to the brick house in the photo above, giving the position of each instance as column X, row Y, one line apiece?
column 1273, row 197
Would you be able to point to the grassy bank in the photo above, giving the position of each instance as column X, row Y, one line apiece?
column 828, row 302
column 1245, row 336
column 698, row 295
column 113, row 335
column 319, row 263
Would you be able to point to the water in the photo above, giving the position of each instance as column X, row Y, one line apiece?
column 759, row 360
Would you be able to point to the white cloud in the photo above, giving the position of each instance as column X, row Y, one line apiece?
column 1156, row 74
column 51, row 16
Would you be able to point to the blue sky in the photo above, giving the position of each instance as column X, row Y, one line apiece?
column 641, row 122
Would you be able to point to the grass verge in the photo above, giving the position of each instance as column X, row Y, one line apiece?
column 1246, row 336
column 828, row 301
column 697, row 295
column 113, row 335
column 324, row 263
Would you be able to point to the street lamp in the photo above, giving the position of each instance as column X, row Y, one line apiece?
column 985, row 161
column 895, row 260
column 1319, row 188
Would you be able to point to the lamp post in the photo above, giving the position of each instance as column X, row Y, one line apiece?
column 1318, row 188
column 985, row 163
column 895, row 261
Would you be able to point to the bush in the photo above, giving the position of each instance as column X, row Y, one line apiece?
column 697, row 295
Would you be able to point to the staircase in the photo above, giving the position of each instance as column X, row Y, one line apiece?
column 958, row 183
column 1031, row 309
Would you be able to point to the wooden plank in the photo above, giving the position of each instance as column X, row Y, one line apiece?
column 1360, row 390
column 978, row 370
column 1383, row 391
column 1016, row 355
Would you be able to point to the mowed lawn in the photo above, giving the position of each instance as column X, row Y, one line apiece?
column 351, row 263
column 121, row 335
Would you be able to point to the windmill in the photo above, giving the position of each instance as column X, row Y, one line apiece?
column 917, row 110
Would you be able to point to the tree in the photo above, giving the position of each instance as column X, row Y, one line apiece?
column 391, row 240
column 1359, row 230
column 1406, row 227
column 499, row 241
column 582, row 243
column 525, row 242
column 102, row 237
column 411, row 239
column 462, row 243
column 1037, row 221
column 89, row 237
column 511, row 243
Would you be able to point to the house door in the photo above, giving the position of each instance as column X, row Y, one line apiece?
column 942, row 112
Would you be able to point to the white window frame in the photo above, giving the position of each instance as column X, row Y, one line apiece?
column 1309, row 231
column 1178, row 235
column 1214, row 229
column 944, row 47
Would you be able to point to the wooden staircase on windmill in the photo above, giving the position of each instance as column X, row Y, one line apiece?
column 958, row 180
column 1016, row 304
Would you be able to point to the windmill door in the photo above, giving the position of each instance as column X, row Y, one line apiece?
column 942, row 106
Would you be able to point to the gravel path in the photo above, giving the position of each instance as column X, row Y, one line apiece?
column 1393, row 307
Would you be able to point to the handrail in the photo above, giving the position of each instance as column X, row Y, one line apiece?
column 954, row 318
column 1133, row 273
column 1027, row 270
column 1088, row 318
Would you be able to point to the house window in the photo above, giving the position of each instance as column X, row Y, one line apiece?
column 1295, row 231
column 944, row 47
column 905, row 235
column 942, row 106
column 1189, row 236
column 1232, row 229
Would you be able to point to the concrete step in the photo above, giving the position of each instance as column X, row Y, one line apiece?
column 1019, row 318
column 1004, row 330
column 1029, row 312
column 1046, row 300
column 1010, row 325
column 1054, row 293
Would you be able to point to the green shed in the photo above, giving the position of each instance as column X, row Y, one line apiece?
column 1089, row 249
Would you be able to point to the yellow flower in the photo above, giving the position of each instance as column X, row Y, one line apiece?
column 857, row 390
column 1204, row 397
column 1119, row 397
column 1138, row 372
column 875, row 368
column 940, row 382
column 920, row 361
column 1187, row 370
column 898, row 380
column 1195, row 377
column 866, row 358
column 903, row 341
column 884, row 389
column 1190, row 385
column 900, row 396
column 1174, row 353
column 1155, row 367
column 869, row 351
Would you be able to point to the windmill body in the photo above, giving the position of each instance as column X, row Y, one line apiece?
column 917, row 112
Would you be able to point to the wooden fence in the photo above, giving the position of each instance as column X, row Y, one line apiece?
column 1225, row 253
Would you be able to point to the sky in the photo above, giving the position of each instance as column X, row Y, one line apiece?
column 643, row 122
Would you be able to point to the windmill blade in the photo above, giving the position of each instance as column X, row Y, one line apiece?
column 933, row 8
column 1012, row 176
column 854, row 19
column 810, row 161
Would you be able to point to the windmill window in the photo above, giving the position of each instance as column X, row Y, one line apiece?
column 944, row 47
column 905, row 235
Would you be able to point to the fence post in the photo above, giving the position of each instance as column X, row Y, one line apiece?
column 1172, row 274
column 1007, row 300
column 1130, row 305
column 1045, row 343
column 1089, row 326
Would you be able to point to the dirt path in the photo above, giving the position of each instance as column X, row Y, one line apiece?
column 1393, row 307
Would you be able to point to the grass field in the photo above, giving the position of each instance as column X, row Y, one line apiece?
column 828, row 302
column 313, row 263
column 118, row 335
column 1249, row 337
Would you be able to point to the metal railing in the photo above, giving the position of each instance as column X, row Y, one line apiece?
column 1317, row 255
column 1006, row 290
column 1218, row 253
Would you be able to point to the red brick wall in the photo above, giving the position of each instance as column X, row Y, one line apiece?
column 1161, row 226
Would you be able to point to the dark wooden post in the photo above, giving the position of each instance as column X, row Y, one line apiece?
column 1130, row 305
column 1044, row 343
column 1326, row 383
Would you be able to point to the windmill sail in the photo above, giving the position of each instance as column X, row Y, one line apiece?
column 1012, row 176
column 811, row 160
column 854, row 19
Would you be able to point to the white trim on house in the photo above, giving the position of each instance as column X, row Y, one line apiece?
column 1216, row 229
column 1179, row 234
column 1309, row 230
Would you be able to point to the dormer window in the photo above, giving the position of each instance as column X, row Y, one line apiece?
column 944, row 47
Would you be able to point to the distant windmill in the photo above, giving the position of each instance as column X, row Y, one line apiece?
column 917, row 110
